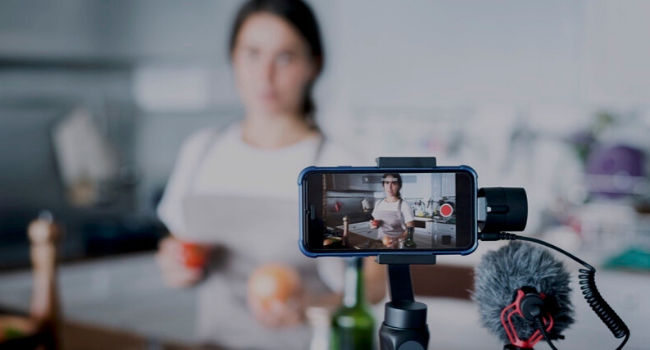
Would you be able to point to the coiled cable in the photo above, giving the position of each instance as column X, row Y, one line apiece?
column 600, row 306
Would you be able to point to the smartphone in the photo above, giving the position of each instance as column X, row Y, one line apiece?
column 362, row 211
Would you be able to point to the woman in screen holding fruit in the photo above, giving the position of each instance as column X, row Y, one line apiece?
column 252, row 296
column 392, row 215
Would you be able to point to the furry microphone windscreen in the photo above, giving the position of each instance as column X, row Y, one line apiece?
column 502, row 272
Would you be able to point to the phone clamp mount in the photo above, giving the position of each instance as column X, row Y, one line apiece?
column 405, row 320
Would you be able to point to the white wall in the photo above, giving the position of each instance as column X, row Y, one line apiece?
column 496, row 85
column 424, row 53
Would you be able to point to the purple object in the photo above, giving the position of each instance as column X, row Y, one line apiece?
column 615, row 170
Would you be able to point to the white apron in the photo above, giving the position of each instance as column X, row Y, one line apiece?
column 392, row 222
column 267, row 236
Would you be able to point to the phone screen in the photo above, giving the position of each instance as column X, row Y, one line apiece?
column 390, row 210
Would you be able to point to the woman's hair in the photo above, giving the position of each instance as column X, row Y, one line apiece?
column 398, row 177
column 302, row 18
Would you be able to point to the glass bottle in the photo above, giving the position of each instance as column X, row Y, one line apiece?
column 353, row 323
column 410, row 243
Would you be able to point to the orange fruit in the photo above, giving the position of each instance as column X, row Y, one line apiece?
column 274, row 282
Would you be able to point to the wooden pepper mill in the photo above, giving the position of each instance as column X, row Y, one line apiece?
column 44, row 234
column 346, row 232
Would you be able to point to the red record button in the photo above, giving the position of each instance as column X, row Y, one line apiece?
column 446, row 210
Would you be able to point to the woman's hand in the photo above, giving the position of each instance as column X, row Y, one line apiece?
column 277, row 313
column 182, row 265
column 374, row 224
column 276, row 295
column 387, row 241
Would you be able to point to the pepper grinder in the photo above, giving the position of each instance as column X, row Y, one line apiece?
column 346, row 232
column 44, row 234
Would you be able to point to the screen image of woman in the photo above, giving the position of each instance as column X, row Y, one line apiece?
column 392, row 215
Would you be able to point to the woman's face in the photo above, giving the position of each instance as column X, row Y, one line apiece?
column 391, row 186
column 272, row 65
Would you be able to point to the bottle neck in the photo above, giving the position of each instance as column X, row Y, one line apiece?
column 353, row 292
column 411, row 230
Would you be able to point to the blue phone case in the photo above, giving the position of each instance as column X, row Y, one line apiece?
column 349, row 169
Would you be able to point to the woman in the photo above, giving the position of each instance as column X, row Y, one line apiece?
column 276, row 54
column 392, row 214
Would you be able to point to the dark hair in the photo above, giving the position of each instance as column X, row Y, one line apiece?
column 302, row 18
column 398, row 177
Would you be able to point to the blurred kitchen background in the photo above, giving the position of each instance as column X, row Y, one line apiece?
column 96, row 97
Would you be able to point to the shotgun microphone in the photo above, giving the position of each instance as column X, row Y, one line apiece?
column 519, row 289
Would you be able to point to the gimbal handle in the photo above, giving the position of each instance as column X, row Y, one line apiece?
column 405, row 320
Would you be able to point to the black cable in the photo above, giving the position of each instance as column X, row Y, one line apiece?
column 540, row 326
column 587, row 283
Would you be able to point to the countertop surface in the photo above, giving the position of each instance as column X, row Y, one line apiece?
column 127, row 293
column 123, row 293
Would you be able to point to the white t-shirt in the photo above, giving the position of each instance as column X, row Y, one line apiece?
column 212, row 162
column 407, row 211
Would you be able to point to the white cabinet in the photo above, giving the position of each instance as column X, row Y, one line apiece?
column 444, row 229
column 448, row 186
column 443, row 234
column 428, row 228
column 443, row 185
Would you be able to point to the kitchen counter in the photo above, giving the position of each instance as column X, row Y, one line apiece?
column 362, row 237
column 362, row 242
column 361, row 228
column 422, row 237
column 123, row 293
column 77, row 336
column 126, row 295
